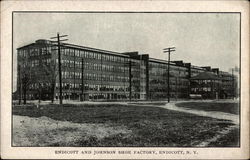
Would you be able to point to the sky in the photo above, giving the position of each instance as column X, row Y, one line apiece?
column 207, row 39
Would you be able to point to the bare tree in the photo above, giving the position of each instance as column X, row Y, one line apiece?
column 25, row 84
column 41, row 71
column 50, row 73
column 47, row 75
column 25, row 74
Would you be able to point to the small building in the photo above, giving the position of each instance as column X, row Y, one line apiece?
column 206, row 84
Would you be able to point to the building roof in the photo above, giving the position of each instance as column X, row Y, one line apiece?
column 205, row 76
column 94, row 49
column 125, row 54
column 48, row 42
column 160, row 61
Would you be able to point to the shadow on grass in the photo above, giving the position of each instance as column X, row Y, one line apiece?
column 232, row 108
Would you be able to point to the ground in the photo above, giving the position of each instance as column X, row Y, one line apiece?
column 120, row 124
column 226, row 107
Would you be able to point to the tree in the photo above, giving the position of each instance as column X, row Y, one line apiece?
column 37, row 70
column 25, row 84
column 25, row 74
column 51, row 74
column 47, row 75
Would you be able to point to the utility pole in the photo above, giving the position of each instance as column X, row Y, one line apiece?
column 168, row 50
column 59, row 62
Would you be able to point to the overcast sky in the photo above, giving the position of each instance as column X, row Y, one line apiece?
column 206, row 39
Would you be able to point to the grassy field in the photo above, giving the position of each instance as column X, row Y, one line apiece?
column 147, row 126
column 232, row 108
column 230, row 140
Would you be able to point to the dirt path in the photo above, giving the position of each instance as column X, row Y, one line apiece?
column 212, row 114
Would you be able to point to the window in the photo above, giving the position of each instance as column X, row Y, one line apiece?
column 71, row 63
column 77, row 53
column 81, row 53
column 86, row 54
column 90, row 55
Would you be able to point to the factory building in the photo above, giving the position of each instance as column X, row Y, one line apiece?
column 95, row 74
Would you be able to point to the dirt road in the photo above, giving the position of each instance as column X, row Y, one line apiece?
column 212, row 114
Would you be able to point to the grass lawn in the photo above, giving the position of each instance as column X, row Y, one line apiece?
column 230, row 140
column 232, row 108
column 149, row 126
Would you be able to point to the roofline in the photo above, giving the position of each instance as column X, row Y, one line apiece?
column 162, row 61
column 81, row 47
column 26, row 46
column 172, row 63
column 94, row 49
column 197, row 67
column 207, row 72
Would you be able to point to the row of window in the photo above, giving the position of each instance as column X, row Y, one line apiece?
column 43, row 85
column 205, row 81
column 164, row 90
column 94, row 76
column 35, row 62
column 158, row 65
column 91, row 96
column 163, row 72
column 92, row 87
column 22, row 53
column 93, row 55
column 195, row 72
column 157, row 71
column 164, row 67
column 33, row 52
column 77, row 86
column 206, row 89
column 96, row 66
column 100, row 96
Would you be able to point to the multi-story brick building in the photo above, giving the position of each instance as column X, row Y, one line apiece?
column 94, row 74
column 229, row 85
